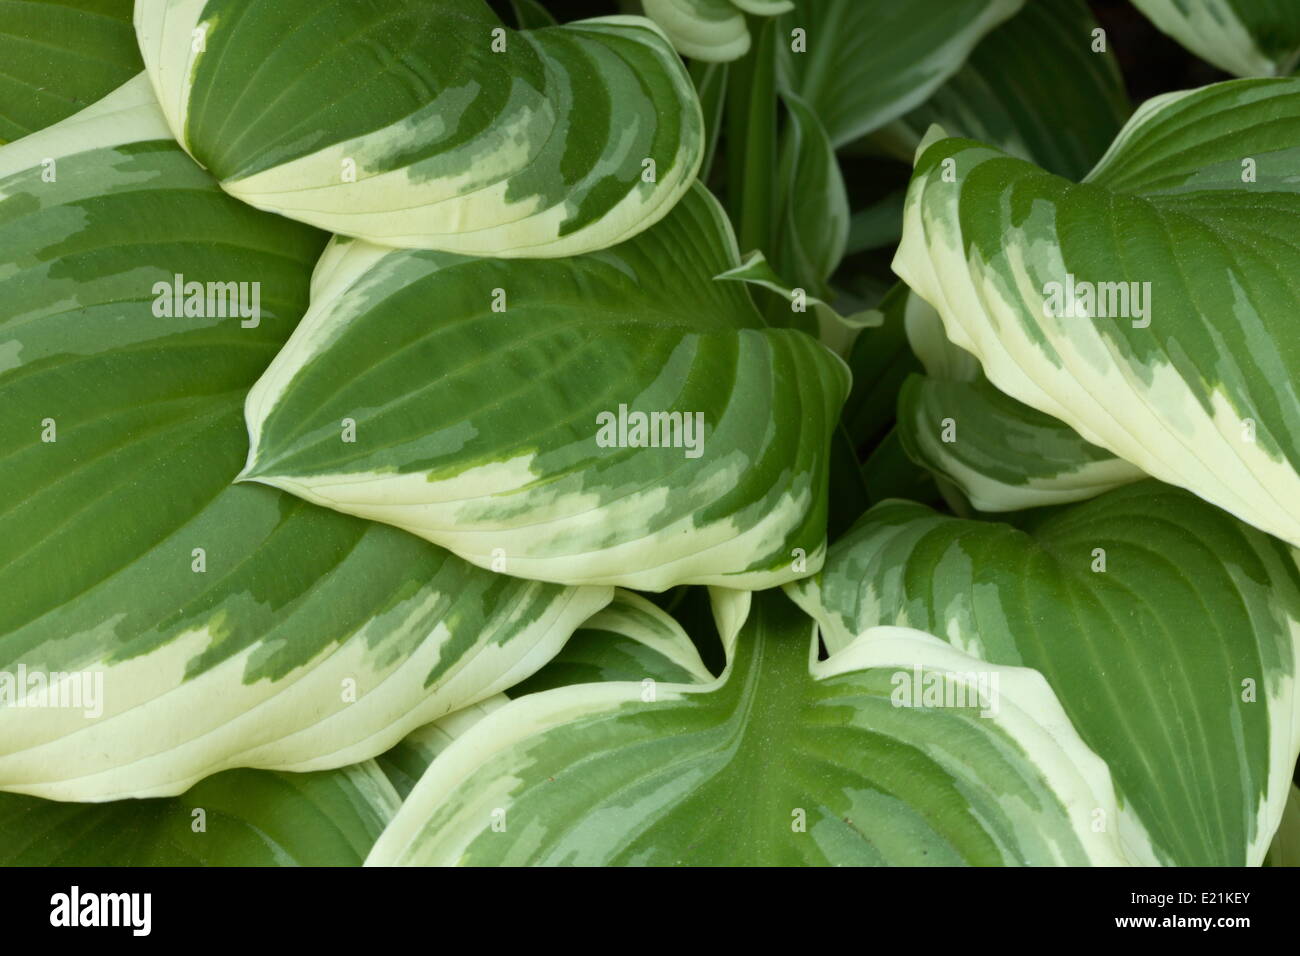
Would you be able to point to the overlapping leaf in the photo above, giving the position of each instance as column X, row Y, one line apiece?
column 496, row 406
column 427, row 124
column 783, row 760
column 201, row 625
column 1166, row 628
column 1151, row 308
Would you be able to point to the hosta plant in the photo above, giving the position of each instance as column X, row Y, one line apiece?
column 751, row 432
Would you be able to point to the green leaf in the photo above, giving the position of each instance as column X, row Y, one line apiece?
column 1002, row 454
column 1165, row 627
column 426, row 124
column 711, row 81
column 867, row 62
column 1243, row 37
column 203, row 625
column 1183, row 359
column 751, row 115
column 1034, row 87
column 511, row 436
column 783, row 760
column 60, row 56
column 812, row 204
column 236, row 818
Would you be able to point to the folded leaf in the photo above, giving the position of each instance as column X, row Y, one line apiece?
column 615, row 418
column 1166, row 628
column 60, row 56
column 783, row 760
column 1244, row 37
column 236, row 818
column 1151, row 307
column 427, row 124
column 198, row 625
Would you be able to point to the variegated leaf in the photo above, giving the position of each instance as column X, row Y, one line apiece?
column 425, row 123
column 783, row 760
column 710, row 30
column 1150, row 308
column 236, row 818
column 1168, row 630
column 1243, row 37
column 503, row 409
column 862, row 63
column 198, row 625
column 59, row 56
column 1002, row 454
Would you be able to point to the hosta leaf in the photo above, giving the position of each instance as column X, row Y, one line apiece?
column 1166, row 628
column 1035, row 87
column 426, row 124
column 231, row 625
column 1244, row 37
column 630, row 640
column 60, row 56
column 783, row 760
column 710, row 30
column 866, row 62
column 1183, row 360
column 236, row 818
column 1002, row 454
column 495, row 405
